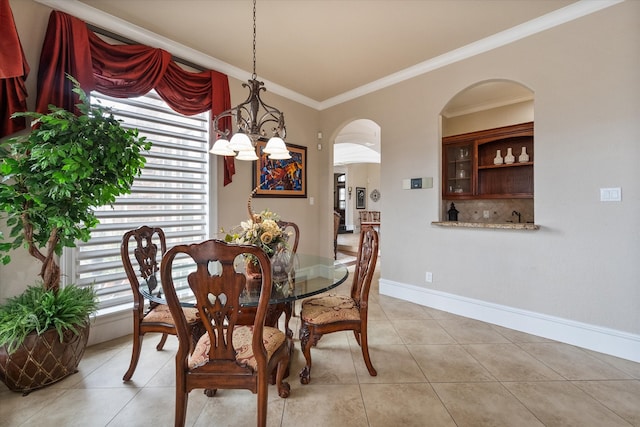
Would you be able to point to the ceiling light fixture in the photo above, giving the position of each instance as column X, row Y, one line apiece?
column 248, row 119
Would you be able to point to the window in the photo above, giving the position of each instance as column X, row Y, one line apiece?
column 172, row 193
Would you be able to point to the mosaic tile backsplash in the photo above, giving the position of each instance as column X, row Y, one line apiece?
column 500, row 210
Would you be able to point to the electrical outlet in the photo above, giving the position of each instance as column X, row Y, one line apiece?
column 485, row 214
column 429, row 277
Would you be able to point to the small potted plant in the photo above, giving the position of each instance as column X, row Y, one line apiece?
column 50, row 181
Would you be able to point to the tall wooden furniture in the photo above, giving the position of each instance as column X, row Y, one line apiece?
column 332, row 313
column 472, row 168
column 148, row 316
column 227, row 355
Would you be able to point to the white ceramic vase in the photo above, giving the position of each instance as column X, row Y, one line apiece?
column 509, row 158
column 498, row 159
column 524, row 157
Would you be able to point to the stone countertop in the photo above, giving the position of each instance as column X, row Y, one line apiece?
column 501, row 226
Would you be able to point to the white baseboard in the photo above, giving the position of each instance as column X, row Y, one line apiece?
column 604, row 340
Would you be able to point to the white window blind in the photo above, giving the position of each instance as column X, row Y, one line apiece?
column 171, row 193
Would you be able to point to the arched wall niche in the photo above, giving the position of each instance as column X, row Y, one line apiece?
column 486, row 105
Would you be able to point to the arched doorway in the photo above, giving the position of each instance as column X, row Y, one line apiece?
column 356, row 167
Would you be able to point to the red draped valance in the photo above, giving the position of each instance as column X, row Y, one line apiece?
column 122, row 71
column 14, row 70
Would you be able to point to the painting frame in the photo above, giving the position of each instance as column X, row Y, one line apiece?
column 280, row 178
column 361, row 198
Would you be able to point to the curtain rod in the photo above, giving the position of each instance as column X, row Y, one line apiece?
column 125, row 40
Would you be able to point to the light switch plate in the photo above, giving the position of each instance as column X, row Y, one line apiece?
column 611, row 194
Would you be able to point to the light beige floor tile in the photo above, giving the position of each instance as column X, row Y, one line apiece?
column 110, row 374
column 517, row 336
column 156, row 407
column 404, row 405
column 422, row 332
column 331, row 361
column 627, row 366
column 83, row 407
column 439, row 314
column 238, row 408
column 560, row 403
column 572, row 363
column 449, row 363
column 401, row 310
column 622, row 397
column 484, row 404
column 379, row 333
column 508, row 362
column 393, row 363
column 376, row 313
column 15, row 408
column 320, row 405
column 166, row 375
column 469, row 331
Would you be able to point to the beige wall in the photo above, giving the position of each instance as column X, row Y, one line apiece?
column 582, row 264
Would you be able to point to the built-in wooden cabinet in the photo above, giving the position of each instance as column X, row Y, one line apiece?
column 469, row 171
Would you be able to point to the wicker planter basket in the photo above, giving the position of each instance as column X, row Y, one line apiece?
column 42, row 360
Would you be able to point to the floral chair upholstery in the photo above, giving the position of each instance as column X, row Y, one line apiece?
column 227, row 355
column 332, row 313
column 148, row 316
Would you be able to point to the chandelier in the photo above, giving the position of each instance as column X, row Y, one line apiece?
column 249, row 119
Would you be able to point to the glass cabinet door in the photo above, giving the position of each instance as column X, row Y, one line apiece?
column 458, row 169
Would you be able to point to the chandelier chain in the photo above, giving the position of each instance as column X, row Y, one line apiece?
column 254, row 75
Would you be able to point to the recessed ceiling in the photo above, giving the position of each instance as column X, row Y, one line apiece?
column 315, row 51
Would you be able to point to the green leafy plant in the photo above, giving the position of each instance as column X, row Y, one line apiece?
column 53, row 178
column 38, row 309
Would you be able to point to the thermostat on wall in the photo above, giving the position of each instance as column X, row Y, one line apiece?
column 417, row 183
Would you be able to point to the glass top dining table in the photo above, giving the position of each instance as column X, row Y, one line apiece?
column 310, row 275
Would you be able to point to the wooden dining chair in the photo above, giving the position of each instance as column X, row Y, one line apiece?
column 227, row 355
column 332, row 313
column 292, row 229
column 336, row 228
column 148, row 316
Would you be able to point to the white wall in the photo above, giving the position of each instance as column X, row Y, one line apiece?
column 581, row 267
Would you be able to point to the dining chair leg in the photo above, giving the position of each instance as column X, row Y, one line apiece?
column 182, row 399
column 262, row 400
column 135, row 354
column 306, row 341
column 163, row 340
column 364, row 344
column 288, row 311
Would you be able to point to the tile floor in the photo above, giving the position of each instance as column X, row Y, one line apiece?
column 434, row 369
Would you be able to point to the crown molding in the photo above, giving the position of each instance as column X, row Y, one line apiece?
column 119, row 26
column 542, row 23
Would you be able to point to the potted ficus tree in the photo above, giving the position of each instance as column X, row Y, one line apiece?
column 51, row 179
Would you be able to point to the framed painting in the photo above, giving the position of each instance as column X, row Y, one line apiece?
column 361, row 198
column 280, row 178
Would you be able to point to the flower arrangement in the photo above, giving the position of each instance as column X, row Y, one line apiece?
column 260, row 230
